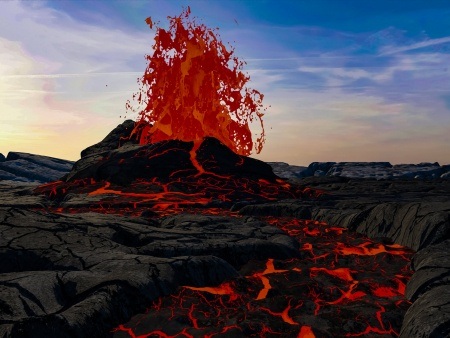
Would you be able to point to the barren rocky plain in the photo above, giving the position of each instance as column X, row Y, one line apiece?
column 137, row 241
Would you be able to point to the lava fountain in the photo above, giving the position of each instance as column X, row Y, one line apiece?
column 194, row 87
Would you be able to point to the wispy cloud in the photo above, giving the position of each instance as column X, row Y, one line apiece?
column 333, row 125
column 67, row 75
column 389, row 50
column 61, row 77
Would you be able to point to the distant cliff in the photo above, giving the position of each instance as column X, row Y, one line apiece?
column 24, row 167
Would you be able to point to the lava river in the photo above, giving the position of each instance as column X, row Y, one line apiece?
column 342, row 285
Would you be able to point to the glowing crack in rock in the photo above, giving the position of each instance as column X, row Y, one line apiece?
column 293, row 292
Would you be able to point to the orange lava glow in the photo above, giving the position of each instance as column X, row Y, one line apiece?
column 223, row 289
column 306, row 332
column 270, row 268
column 284, row 315
column 338, row 289
column 193, row 87
column 341, row 273
column 369, row 249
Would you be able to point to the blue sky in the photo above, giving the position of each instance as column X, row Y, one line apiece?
column 345, row 80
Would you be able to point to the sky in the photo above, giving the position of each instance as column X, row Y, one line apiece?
column 345, row 80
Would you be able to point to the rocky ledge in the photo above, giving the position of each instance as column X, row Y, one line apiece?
column 24, row 167
column 368, row 170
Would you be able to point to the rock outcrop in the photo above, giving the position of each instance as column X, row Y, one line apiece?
column 429, row 291
column 167, row 159
column 370, row 170
column 285, row 170
column 24, row 167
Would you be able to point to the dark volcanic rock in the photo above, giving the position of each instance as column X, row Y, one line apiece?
column 131, row 162
column 370, row 170
column 167, row 159
column 101, row 161
column 415, row 225
column 314, row 167
column 216, row 157
column 413, row 213
column 289, row 208
column 92, row 155
column 79, row 275
column 429, row 315
column 432, row 268
column 103, row 262
column 20, row 194
column 2, row 157
column 23, row 167
column 429, row 290
column 117, row 137
column 285, row 170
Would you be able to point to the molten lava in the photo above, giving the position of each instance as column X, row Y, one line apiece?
column 349, row 294
column 193, row 88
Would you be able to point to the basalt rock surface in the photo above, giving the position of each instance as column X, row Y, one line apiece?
column 65, row 275
column 167, row 159
column 371, row 170
column 119, row 159
column 101, row 261
column 428, row 289
column 285, row 170
column 414, row 213
column 24, row 167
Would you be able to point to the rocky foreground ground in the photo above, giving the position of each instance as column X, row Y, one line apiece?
column 55, row 266
column 79, row 275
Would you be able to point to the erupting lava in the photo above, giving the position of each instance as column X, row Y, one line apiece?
column 193, row 88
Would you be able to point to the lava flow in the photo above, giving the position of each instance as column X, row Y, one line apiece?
column 327, row 292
